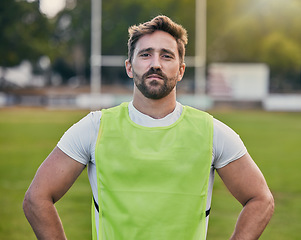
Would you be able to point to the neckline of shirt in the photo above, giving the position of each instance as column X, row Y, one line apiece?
column 147, row 121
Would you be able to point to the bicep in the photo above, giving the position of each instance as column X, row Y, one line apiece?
column 244, row 179
column 55, row 176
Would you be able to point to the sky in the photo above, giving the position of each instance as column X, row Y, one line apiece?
column 51, row 7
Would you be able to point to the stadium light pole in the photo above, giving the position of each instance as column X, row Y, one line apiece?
column 200, row 47
column 95, row 61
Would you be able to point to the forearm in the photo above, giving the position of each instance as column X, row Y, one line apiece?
column 44, row 219
column 253, row 219
column 52, row 180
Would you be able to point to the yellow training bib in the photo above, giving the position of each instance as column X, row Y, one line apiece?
column 153, row 182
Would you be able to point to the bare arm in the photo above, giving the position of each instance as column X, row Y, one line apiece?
column 52, row 180
column 247, row 184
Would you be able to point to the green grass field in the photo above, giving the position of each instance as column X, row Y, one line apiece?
column 27, row 136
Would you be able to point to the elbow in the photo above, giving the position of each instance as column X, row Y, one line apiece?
column 264, row 204
column 27, row 203
column 267, row 206
column 270, row 202
column 35, row 202
column 30, row 203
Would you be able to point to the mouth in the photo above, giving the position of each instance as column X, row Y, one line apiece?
column 154, row 76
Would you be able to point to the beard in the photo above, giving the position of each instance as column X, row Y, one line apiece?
column 155, row 89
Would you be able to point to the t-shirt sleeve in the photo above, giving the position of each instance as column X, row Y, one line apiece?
column 227, row 145
column 77, row 142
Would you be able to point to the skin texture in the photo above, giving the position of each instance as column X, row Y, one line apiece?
column 154, row 95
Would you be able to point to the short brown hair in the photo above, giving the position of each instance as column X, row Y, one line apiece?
column 162, row 23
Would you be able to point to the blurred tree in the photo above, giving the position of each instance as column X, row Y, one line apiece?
column 71, row 40
column 284, row 57
column 237, row 31
column 258, row 31
column 24, row 32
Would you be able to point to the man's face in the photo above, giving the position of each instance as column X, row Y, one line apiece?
column 155, row 66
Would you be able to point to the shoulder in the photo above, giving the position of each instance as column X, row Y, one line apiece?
column 227, row 144
column 198, row 116
column 94, row 118
column 88, row 123
column 195, row 111
column 115, row 109
column 78, row 141
column 223, row 129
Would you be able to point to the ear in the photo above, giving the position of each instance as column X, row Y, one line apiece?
column 181, row 71
column 128, row 68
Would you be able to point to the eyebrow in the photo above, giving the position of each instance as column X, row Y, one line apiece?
column 145, row 50
column 168, row 51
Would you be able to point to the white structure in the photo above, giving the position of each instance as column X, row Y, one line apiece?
column 283, row 102
column 237, row 81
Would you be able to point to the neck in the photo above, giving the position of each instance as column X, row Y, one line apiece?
column 155, row 108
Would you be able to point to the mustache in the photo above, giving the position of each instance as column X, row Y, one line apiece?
column 156, row 71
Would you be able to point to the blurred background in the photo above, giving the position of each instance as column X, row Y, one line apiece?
column 61, row 58
column 245, row 53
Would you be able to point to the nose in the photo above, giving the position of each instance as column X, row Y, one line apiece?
column 156, row 63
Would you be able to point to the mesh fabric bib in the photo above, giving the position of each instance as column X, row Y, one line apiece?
column 153, row 182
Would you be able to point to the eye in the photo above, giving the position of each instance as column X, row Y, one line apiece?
column 144, row 55
column 167, row 56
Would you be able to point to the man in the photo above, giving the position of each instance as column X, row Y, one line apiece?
column 151, row 162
